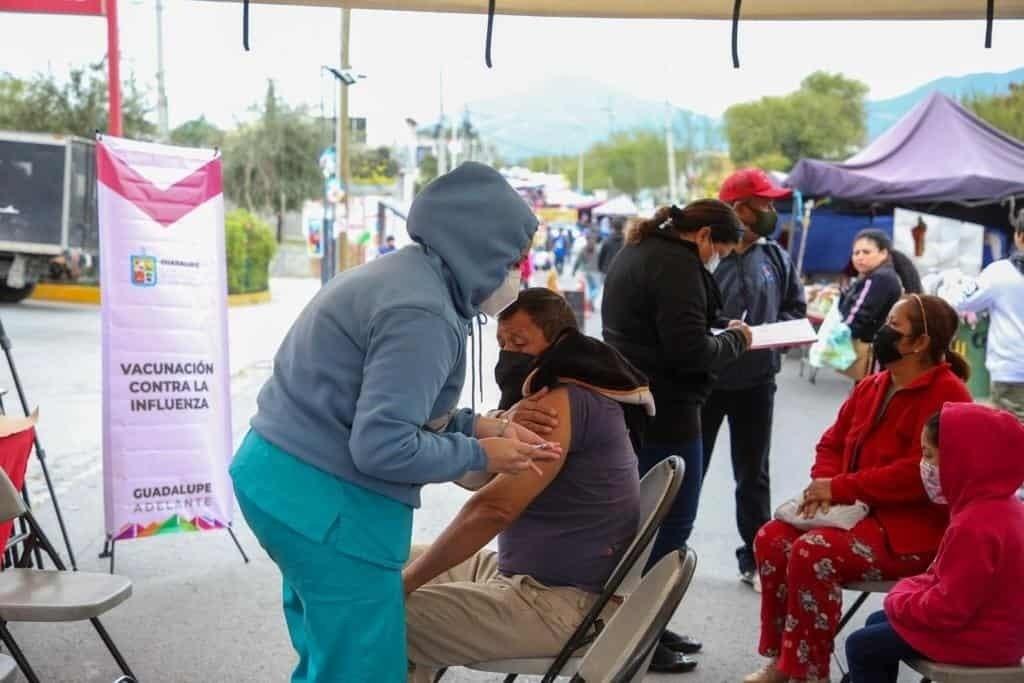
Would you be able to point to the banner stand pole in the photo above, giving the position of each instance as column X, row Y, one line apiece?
column 237, row 544
column 108, row 548
column 5, row 343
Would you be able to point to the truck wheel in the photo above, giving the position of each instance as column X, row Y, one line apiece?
column 12, row 295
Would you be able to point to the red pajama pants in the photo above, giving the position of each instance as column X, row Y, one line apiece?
column 802, row 573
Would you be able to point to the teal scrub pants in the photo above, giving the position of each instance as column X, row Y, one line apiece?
column 340, row 549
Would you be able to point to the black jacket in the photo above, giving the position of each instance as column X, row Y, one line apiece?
column 659, row 306
column 611, row 246
column 865, row 305
column 762, row 283
column 574, row 358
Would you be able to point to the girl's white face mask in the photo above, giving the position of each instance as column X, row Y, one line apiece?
column 932, row 485
column 504, row 296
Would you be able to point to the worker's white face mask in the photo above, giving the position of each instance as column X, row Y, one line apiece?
column 712, row 264
column 504, row 296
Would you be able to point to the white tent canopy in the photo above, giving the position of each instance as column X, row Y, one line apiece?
column 620, row 206
column 695, row 9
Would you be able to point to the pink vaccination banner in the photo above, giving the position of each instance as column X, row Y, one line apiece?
column 166, row 379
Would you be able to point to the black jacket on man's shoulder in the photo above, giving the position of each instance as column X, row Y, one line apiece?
column 659, row 306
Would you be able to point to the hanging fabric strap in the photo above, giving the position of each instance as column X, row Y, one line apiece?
column 481, row 320
column 736, row 33
column 490, row 32
column 989, row 19
column 245, row 24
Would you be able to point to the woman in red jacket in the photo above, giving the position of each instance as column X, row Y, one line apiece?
column 871, row 454
column 968, row 608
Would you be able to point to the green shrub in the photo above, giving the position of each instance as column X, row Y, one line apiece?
column 250, row 245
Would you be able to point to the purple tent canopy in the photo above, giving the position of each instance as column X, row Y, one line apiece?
column 938, row 152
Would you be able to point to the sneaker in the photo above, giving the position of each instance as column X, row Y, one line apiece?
column 769, row 673
column 752, row 579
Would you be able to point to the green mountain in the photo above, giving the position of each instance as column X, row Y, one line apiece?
column 883, row 113
column 564, row 115
column 567, row 115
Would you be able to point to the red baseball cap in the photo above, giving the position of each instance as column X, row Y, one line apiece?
column 751, row 182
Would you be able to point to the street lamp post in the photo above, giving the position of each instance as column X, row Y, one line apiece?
column 344, row 77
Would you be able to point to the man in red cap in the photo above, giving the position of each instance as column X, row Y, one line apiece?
column 759, row 285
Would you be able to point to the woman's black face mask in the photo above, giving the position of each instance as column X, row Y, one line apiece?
column 885, row 346
column 510, row 373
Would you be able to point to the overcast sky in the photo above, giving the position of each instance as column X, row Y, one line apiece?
column 403, row 54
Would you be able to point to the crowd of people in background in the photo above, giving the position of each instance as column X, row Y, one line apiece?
column 904, row 485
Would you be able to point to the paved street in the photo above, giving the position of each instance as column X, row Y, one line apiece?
column 199, row 613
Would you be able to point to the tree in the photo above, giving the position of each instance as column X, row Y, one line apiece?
column 428, row 171
column 628, row 162
column 1005, row 112
column 271, row 161
column 76, row 107
column 198, row 133
column 374, row 166
column 824, row 119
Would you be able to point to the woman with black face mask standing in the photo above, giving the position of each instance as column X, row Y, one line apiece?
column 870, row 455
column 660, row 305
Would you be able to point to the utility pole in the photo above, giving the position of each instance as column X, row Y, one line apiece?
column 161, row 91
column 579, row 173
column 670, row 148
column 442, row 143
column 339, row 259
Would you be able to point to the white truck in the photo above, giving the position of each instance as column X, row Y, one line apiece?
column 48, row 223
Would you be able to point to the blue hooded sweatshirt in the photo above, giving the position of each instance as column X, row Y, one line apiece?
column 366, row 382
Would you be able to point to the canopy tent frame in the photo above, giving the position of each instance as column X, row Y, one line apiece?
column 727, row 10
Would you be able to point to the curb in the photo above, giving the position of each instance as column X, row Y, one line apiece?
column 84, row 294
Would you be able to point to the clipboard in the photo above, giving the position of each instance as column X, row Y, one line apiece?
column 786, row 334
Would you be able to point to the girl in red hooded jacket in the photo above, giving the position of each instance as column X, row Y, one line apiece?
column 968, row 608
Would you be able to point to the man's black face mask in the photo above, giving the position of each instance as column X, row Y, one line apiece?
column 510, row 373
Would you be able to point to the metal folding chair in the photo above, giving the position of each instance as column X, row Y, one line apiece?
column 866, row 590
column 57, row 595
column 946, row 673
column 658, row 489
column 622, row 652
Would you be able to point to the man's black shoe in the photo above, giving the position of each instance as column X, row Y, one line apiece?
column 681, row 644
column 666, row 661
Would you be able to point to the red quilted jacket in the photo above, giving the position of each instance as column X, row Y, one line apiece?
column 875, row 457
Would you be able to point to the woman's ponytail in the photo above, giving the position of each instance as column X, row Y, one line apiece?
column 958, row 364
column 725, row 225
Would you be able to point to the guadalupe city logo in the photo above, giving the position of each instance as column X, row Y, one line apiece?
column 143, row 270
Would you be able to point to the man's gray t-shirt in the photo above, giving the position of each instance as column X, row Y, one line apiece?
column 577, row 529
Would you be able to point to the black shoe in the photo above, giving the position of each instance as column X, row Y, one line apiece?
column 679, row 643
column 666, row 661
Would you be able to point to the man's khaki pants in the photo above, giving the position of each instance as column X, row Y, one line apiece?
column 474, row 614
column 1009, row 396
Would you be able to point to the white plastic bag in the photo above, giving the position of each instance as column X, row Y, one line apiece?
column 834, row 348
column 838, row 516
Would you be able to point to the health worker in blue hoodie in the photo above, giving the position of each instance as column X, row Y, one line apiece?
column 759, row 285
column 360, row 412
